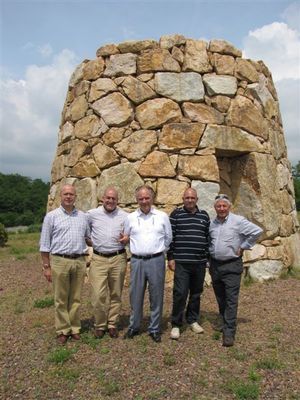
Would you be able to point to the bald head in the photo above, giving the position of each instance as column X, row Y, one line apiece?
column 190, row 199
column 110, row 199
column 67, row 197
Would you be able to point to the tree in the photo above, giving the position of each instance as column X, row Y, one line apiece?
column 22, row 200
column 296, row 177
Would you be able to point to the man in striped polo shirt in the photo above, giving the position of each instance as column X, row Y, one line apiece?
column 187, row 257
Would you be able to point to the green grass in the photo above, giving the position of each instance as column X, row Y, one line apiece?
column 169, row 359
column 20, row 245
column 44, row 303
column 69, row 374
column 268, row 363
column 90, row 340
column 61, row 355
column 108, row 386
column 244, row 390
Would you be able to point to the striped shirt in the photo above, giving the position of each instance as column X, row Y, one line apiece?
column 190, row 236
column 106, row 228
column 64, row 233
column 227, row 237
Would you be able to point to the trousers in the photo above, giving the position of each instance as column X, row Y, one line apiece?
column 188, row 283
column 106, row 277
column 149, row 272
column 67, row 277
column 226, row 281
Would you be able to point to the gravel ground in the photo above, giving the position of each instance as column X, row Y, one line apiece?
column 263, row 364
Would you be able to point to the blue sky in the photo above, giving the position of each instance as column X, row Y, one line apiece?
column 43, row 41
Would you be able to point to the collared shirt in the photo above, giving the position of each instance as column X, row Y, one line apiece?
column 226, row 238
column 64, row 233
column 106, row 228
column 149, row 233
column 190, row 235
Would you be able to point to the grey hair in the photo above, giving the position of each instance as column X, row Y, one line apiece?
column 146, row 187
column 222, row 197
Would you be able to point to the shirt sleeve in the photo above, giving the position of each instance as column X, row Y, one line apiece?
column 46, row 234
column 250, row 233
column 168, row 231
column 172, row 220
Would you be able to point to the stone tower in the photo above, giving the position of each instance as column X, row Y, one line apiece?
column 179, row 113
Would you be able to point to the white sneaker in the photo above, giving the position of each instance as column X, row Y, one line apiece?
column 175, row 333
column 196, row 328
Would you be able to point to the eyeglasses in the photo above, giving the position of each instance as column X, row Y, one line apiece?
column 222, row 196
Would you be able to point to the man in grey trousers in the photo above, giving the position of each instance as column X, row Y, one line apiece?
column 150, row 235
column 230, row 235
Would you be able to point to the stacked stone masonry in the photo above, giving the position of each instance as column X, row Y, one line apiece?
column 179, row 113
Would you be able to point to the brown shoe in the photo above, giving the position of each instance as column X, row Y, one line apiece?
column 62, row 339
column 75, row 336
column 228, row 341
column 99, row 333
column 113, row 333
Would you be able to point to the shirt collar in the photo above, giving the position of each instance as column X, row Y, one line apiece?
column 109, row 213
column 189, row 212
column 73, row 212
column 222, row 222
column 152, row 211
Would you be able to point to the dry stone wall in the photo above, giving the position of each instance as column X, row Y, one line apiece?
column 179, row 113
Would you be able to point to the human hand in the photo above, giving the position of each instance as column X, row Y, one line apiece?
column 171, row 265
column 124, row 239
column 47, row 274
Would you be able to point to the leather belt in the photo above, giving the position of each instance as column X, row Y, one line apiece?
column 147, row 257
column 71, row 256
column 116, row 253
column 222, row 262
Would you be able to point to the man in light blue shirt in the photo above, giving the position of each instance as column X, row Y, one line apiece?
column 230, row 235
column 63, row 249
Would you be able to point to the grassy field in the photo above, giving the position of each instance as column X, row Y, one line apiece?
column 263, row 364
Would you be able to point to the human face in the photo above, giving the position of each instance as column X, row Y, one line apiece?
column 222, row 208
column 68, row 196
column 190, row 200
column 110, row 200
column 144, row 199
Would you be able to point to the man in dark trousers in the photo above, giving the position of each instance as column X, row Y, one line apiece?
column 187, row 257
column 230, row 235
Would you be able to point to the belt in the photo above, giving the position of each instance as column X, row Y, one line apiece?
column 148, row 256
column 221, row 262
column 71, row 256
column 115, row 253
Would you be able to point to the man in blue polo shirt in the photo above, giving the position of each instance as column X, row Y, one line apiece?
column 187, row 257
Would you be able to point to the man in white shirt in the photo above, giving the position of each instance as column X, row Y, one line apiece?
column 108, row 264
column 150, row 235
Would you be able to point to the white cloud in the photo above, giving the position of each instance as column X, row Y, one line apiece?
column 31, row 110
column 45, row 50
column 292, row 15
column 278, row 45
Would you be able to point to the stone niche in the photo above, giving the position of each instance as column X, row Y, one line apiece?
column 179, row 113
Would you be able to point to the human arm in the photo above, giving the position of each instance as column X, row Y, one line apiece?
column 249, row 233
column 171, row 265
column 46, row 265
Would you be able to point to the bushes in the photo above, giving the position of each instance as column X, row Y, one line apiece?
column 3, row 235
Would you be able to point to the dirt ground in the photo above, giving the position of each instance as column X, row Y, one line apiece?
column 263, row 364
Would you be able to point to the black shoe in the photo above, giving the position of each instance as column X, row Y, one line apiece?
column 228, row 341
column 130, row 334
column 155, row 336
